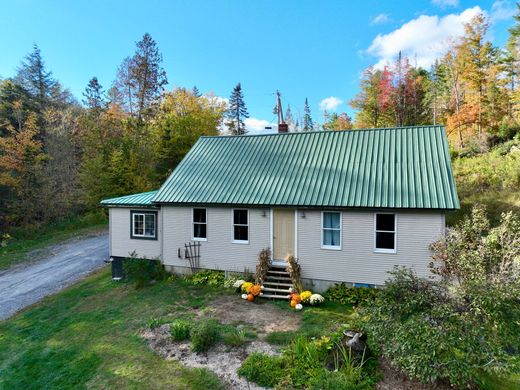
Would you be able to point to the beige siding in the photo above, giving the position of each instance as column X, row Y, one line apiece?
column 357, row 262
column 120, row 242
column 218, row 252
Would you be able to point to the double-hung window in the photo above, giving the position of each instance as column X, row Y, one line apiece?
column 200, row 232
column 144, row 225
column 385, row 233
column 241, row 226
column 331, row 230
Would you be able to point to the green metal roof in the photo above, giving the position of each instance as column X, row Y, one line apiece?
column 142, row 199
column 406, row 167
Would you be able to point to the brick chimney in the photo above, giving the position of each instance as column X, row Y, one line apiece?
column 283, row 128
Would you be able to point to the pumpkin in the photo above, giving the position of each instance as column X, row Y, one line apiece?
column 299, row 306
column 250, row 297
column 244, row 296
column 293, row 303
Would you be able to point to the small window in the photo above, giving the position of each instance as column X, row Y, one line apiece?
column 199, row 225
column 385, row 233
column 331, row 230
column 144, row 225
column 240, row 226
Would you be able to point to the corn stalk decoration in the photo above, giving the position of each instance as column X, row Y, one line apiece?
column 264, row 264
column 294, row 272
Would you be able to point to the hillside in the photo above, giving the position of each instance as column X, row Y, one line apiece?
column 491, row 178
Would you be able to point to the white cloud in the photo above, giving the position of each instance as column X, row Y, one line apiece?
column 380, row 19
column 445, row 3
column 502, row 10
column 258, row 126
column 330, row 103
column 423, row 39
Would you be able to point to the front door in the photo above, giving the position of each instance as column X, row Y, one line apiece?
column 283, row 233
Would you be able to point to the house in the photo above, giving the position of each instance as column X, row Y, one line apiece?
column 349, row 205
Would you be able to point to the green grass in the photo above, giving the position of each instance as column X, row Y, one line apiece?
column 88, row 337
column 30, row 239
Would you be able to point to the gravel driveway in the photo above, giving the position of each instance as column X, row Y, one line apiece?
column 63, row 264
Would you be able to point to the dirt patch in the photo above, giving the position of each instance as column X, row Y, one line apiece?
column 260, row 315
column 221, row 359
column 394, row 380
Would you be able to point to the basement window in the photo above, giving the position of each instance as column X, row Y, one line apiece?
column 385, row 233
column 241, row 226
column 144, row 225
column 200, row 232
column 331, row 230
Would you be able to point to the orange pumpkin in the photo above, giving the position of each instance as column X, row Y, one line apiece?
column 297, row 298
column 250, row 297
column 293, row 303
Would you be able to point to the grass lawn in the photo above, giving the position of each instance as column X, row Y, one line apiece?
column 27, row 240
column 87, row 336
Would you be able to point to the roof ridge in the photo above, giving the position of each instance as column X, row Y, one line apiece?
column 321, row 131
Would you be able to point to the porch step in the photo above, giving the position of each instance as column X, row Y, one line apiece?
column 277, row 290
column 272, row 296
column 277, row 272
column 277, row 284
column 278, row 279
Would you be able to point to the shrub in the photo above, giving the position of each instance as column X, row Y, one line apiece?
column 235, row 337
column 153, row 323
column 357, row 296
column 142, row 271
column 180, row 330
column 204, row 335
column 208, row 277
column 262, row 369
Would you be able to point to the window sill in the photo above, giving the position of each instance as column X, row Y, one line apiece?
column 143, row 237
column 390, row 251
column 331, row 248
column 199, row 239
column 240, row 242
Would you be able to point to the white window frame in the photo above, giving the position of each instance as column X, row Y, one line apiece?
column 233, row 227
column 384, row 250
column 144, row 235
column 332, row 247
column 193, row 223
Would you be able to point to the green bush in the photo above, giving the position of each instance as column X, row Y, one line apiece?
column 235, row 337
column 208, row 277
column 262, row 369
column 142, row 271
column 356, row 296
column 204, row 335
column 180, row 330
column 153, row 323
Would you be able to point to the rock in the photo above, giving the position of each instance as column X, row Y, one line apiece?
column 356, row 344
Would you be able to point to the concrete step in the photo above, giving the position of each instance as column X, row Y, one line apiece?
column 278, row 290
column 274, row 296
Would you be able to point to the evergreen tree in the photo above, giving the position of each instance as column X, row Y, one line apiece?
column 33, row 76
column 141, row 79
column 237, row 112
column 289, row 119
column 195, row 92
column 308, row 124
column 94, row 95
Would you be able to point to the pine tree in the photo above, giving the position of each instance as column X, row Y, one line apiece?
column 33, row 76
column 141, row 79
column 94, row 95
column 237, row 112
column 308, row 124
column 195, row 92
column 289, row 119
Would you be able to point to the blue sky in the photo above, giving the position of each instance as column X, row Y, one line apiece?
column 314, row 49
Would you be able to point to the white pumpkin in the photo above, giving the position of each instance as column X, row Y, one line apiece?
column 244, row 296
column 299, row 306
